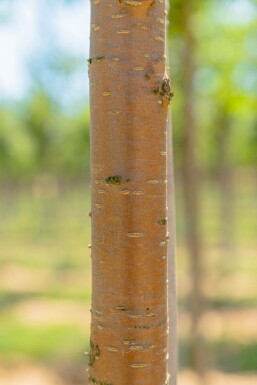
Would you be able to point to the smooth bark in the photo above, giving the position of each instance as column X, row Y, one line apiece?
column 172, row 289
column 130, row 95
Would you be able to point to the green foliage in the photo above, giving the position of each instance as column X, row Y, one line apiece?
column 16, row 146
column 40, row 138
column 224, row 80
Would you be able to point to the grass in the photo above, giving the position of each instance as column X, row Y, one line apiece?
column 234, row 357
column 42, row 343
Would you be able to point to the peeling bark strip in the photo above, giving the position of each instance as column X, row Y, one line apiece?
column 130, row 96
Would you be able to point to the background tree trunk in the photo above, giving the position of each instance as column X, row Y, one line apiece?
column 172, row 292
column 130, row 95
column 225, row 181
column 191, row 193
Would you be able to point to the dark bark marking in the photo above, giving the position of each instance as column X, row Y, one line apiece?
column 96, row 59
column 94, row 353
column 162, row 222
column 116, row 179
column 164, row 90
column 98, row 382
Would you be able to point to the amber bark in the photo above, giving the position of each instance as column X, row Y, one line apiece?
column 172, row 292
column 130, row 96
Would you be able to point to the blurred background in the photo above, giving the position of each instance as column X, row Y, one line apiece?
column 44, row 185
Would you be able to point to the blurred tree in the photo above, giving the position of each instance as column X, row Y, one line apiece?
column 73, row 144
column 191, row 187
column 39, row 119
column 16, row 147
column 212, row 115
column 183, row 28
column 224, row 85
column 222, row 53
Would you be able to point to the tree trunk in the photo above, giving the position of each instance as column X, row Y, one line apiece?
column 225, row 181
column 191, row 193
column 130, row 95
column 172, row 302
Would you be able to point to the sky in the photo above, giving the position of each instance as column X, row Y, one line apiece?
column 29, row 29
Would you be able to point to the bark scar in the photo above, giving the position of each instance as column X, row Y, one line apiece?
column 95, row 59
column 162, row 222
column 139, row 9
column 164, row 90
column 115, row 179
column 94, row 353
column 93, row 380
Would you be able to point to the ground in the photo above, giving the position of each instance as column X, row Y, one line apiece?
column 45, row 289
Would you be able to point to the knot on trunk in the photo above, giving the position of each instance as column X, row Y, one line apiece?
column 97, row 59
column 164, row 90
column 116, row 179
column 139, row 8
